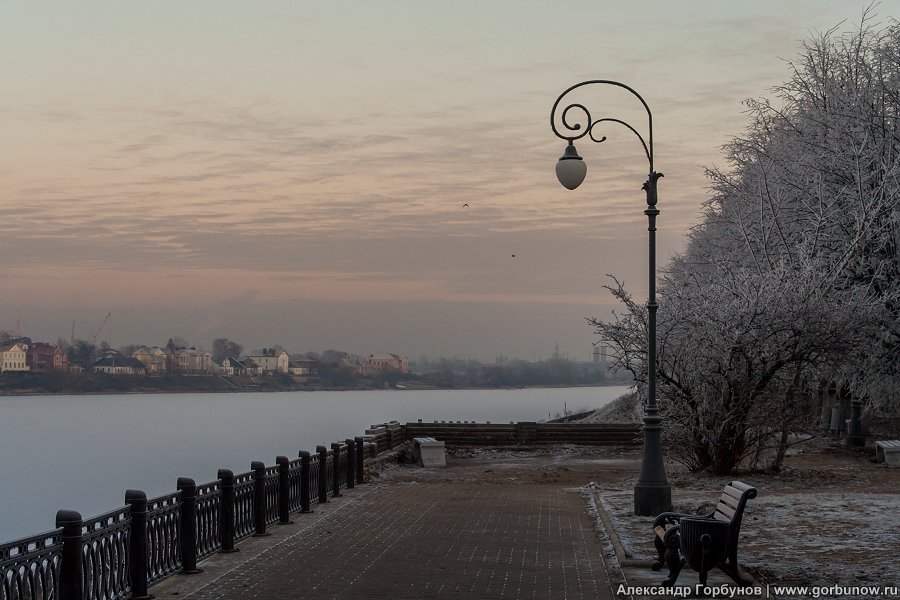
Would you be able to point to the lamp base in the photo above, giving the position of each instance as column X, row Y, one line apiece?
column 652, row 494
column 652, row 499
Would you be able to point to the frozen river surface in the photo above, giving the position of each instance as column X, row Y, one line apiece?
column 83, row 452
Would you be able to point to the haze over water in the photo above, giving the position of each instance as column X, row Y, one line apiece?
column 83, row 452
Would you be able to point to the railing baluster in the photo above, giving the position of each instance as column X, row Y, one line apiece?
column 323, row 474
column 137, row 499
column 71, row 570
column 188, row 533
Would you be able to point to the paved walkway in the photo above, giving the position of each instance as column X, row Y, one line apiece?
column 470, row 531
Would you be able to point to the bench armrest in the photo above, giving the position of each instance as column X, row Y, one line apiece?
column 668, row 518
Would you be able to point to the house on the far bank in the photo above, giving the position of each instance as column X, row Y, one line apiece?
column 190, row 361
column 43, row 357
column 383, row 363
column 267, row 363
column 232, row 366
column 115, row 363
column 303, row 367
column 13, row 357
column 154, row 359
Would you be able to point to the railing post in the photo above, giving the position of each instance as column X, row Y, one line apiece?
column 137, row 500
column 284, row 489
column 226, row 511
column 304, row 481
column 336, row 472
column 188, row 533
column 322, row 451
column 71, row 570
column 351, row 462
column 360, row 458
column 259, row 497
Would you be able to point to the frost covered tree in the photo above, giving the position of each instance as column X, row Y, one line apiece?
column 792, row 280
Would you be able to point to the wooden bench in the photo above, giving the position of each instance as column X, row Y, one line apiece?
column 429, row 452
column 726, row 518
column 888, row 451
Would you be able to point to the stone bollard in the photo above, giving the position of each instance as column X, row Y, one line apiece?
column 259, row 498
column 305, row 460
column 71, row 570
column 351, row 463
column 336, row 470
column 284, row 489
column 226, row 512
column 137, row 542
column 322, row 451
column 188, row 532
column 360, row 459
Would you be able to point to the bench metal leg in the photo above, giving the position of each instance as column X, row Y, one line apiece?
column 729, row 566
column 661, row 553
column 671, row 556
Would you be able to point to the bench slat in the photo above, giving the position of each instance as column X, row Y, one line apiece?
column 720, row 517
column 729, row 500
column 740, row 486
column 725, row 510
column 733, row 492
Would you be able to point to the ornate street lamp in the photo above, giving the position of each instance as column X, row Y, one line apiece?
column 652, row 494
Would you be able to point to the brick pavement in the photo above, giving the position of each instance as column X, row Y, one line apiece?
column 427, row 534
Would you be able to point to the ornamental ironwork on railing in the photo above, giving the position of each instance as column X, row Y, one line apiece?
column 29, row 567
column 243, row 506
column 342, row 466
column 104, row 555
column 271, row 494
column 314, row 473
column 119, row 554
column 209, row 506
column 329, row 471
column 295, row 470
column 163, row 540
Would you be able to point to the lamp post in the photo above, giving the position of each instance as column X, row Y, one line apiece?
column 652, row 494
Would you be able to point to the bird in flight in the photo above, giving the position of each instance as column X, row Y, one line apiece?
column 513, row 255
column 465, row 205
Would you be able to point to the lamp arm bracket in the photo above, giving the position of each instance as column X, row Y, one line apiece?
column 587, row 123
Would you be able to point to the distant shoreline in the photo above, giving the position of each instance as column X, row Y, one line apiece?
column 34, row 384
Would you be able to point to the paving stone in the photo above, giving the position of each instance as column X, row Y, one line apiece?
column 436, row 538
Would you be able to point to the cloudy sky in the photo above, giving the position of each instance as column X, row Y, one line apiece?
column 296, row 172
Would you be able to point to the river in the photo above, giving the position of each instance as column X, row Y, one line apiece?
column 83, row 452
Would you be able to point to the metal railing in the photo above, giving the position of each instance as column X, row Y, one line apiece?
column 29, row 567
column 118, row 555
column 163, row 541
column 243, row 506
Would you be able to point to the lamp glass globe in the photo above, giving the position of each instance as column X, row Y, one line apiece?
column 571, row 172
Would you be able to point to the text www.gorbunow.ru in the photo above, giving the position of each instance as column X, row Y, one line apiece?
column 767, row 591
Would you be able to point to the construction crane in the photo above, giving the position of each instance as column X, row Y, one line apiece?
column 93, row 338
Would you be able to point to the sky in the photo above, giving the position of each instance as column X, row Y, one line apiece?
column 297, row 173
